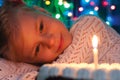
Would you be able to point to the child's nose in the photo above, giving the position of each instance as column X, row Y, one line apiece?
column 48, row 40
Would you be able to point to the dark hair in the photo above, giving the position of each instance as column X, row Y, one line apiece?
column 8, row 27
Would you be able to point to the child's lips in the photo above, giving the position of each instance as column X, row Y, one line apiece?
column 60, row 43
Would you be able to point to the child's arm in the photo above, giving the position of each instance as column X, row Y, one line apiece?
column 16, row 71
column 81, row 49
column 29, row 76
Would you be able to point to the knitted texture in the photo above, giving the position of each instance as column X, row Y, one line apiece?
column 16, row 71
column 81, row 50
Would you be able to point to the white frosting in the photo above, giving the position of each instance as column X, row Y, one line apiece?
column 115, row 66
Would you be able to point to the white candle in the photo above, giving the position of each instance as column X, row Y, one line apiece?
column 95, row 50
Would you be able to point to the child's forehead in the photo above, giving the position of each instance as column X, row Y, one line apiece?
column 30, row 10
column 27, row 12
column 26, row 8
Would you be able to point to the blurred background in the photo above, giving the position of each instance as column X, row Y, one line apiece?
column 68, row 11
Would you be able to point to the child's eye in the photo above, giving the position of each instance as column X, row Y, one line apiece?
column 37, row 49
column 41, row 27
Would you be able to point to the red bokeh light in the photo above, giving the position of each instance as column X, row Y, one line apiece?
column 104, row 3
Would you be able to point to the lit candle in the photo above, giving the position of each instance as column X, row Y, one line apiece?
column 95, row 50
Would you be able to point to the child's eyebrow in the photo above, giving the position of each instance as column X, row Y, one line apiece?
column 37, row 24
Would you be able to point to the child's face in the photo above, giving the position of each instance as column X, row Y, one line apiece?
column 41, row 39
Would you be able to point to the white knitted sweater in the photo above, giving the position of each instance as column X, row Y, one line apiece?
column 17, row 71
column 80, row 50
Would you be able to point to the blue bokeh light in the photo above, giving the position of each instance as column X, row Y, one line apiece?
column 1, row 2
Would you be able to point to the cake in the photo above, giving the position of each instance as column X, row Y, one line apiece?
column 81, row 71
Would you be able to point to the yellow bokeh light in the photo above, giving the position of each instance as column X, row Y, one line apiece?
column 47, row 2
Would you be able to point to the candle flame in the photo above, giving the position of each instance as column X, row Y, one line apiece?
column 95, row 41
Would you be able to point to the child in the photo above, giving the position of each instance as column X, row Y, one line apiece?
column 31, row 36
column 28, row 35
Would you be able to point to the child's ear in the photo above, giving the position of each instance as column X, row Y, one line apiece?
column 42, row 10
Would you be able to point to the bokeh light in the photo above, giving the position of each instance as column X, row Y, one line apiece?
column 70, row 14
column 112, row 7
column 47, row 2
column 66, row 5
column 57, row 16
column 96, row 8
column 91, row 12
column 92, row 3
column 105, row 3
column 81, row 9
column 70, row 10
column 60, row 2
column 107, row 22
column 87, row 1
column 1, row 2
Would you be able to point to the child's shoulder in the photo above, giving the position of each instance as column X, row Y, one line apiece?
column 84, row 17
